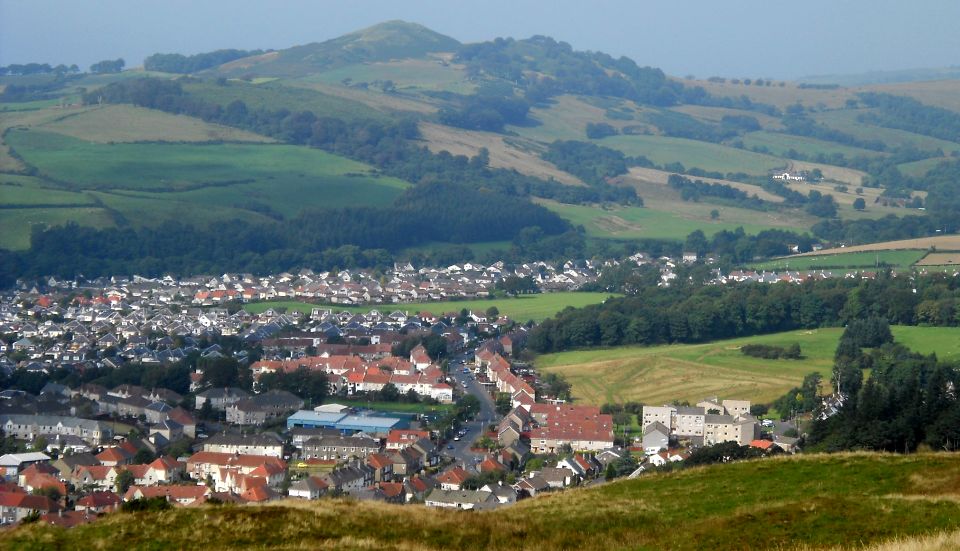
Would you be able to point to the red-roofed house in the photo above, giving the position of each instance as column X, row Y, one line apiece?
column 15, row 506
column 178, row 495
column 397, row 439
column 453, row 479
column 99, row 502
column 111, row 457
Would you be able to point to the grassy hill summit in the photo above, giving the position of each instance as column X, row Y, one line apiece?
column 390, row 40
column 799, row 502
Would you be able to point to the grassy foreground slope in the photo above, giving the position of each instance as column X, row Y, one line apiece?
column 661, row 374
column 809, row 502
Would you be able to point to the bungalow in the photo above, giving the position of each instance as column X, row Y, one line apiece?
column 453, row 478
column 311, row 487
column 177, row 495
column 466, row 500
column 99, row 502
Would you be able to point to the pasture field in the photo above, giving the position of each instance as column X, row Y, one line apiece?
column 650, row 222
column 567, row 116
column 126, row 123
column 865, row 260
column 779, row 96
column 716, row 114
column 371, row 97
column 941, row 93
column 845, row 120
column 691, row 153
column 16, row 224
column 532, row 307
column 406, row 74
column 662, row 374
column 919, row 168
column 781, row 144
column 869, row 501
column 656, row 176
column 290, row 177
column 273, row 96
column 28, row 191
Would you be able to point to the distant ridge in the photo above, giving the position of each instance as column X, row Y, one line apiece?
column 382, row 42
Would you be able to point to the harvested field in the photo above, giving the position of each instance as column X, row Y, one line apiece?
column 502, row 154
column 940, row 259
column 947, row 242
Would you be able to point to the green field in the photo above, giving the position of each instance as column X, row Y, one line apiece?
column 780, row 144
column 662, row 374
column 274, row 95
column 413, row 74
column 617, row 222
column 858, row 501
column 691, row 153
column 395, row 407
column 533, row 307
column 16, row 224
column 866, row 260
column 919, row 168
column 147, row 183
column 845, row 120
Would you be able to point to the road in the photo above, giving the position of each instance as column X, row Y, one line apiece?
column 488, row 412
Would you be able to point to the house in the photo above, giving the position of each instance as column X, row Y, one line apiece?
column 111, row 457
column 220, row 398
column 16, row 506
column 453, row 478
column 417, row 487
column 582, row 428
column 12, row 463
column 382, row 466
column 41, row 476
column 311, row 487
column 531, row 485
column 558, row 477
column 99, row 502
column 505, row 495
column 467, row 500
column 407, row 461
column 656, row 436
column 398, row 439
column 254, row 444
column 185, row 420
column 340, row 448
column 177, row 495
column 259, row 409
column 350, row 478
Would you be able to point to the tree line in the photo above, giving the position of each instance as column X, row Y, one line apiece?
column 689, row 313
column 178, row 63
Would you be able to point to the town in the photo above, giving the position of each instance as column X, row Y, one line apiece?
column 403, row 407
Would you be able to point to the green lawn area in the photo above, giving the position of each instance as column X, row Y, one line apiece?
column 16, row 224
column 899, row 259
column 616, row 222
column 692, row 153
column 662, row 374
column 532, row 307
column 779, row 144
column 208, row 182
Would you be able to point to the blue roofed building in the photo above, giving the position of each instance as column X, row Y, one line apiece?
column 346, row 424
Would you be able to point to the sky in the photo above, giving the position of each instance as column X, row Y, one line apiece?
column 732, row 38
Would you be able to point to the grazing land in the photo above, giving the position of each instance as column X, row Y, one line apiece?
column 662, row 374
column 126, row 123
column 868, row 260
column 663, row 150
column 783, row 145
column 532, row 307
column 406, row 75
column 821, row 502
column 659, row 221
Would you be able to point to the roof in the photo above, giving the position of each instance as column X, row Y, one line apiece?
column 17, row 459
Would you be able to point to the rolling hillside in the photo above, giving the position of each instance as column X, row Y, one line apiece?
column 801, row 502
column 123, row 165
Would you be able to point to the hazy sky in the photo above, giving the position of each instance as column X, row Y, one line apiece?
column 734, row 38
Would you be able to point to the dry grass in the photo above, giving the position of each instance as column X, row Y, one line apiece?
column 377, row 100
column 943, row 541
column 781, row 97
column 520, row 155
column 848, row 176
column 942, row 93
column 940, row 259
column 943, row 242
column 126, row 123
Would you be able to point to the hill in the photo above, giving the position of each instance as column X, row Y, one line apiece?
column 415, row 107
column 801, row 502
column 662, row 374
column 383, row 42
